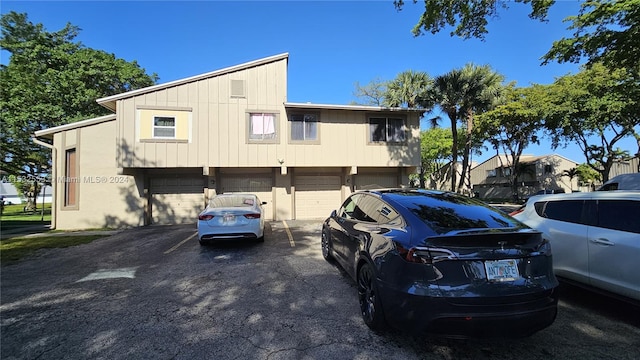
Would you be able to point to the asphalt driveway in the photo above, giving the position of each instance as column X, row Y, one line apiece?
column 155, row 293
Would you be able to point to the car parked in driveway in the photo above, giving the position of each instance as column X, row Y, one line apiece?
column 231, row 217
column 439, row 262
column 622, row 182
column 595, row 237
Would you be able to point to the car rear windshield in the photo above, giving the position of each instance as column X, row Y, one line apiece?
column 232, row 201
column 447, row 212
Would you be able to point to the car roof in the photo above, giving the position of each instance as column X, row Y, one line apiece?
column 625, row 181
column 616, row 194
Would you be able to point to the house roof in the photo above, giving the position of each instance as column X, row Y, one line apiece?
column 48, row 133
column 110, row 101
column 292, row 105
column 525, row 158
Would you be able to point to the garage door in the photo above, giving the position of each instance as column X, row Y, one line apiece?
column 177, row 199
column 371, row 181
column 317, row 196
column 261, row 185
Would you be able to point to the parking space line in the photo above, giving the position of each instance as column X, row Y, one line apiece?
column 180, row 243
column 286, row 227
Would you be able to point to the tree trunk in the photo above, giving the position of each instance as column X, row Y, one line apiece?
column 454, row 149
column 467, row 151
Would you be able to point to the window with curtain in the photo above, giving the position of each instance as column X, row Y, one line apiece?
column 262, row 126
column 304, row 127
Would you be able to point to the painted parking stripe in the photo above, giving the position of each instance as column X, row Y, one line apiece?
column 286, row 227
column 180, row 243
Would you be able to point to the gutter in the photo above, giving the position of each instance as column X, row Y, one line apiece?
column 54, row 154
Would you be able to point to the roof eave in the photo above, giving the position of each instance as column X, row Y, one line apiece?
column 293, row 105
column 48, row 133
column 110, row 101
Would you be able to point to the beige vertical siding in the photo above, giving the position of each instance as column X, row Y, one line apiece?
column 219, row 128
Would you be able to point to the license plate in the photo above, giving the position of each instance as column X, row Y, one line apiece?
column 228, row 219
column 501, row 270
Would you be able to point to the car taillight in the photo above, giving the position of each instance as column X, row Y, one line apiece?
column 205, row 217
column 424, row 255
column 517, row 211
column 252, row 216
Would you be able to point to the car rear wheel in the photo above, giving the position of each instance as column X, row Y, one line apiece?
column 370, row 306
column 326, row 246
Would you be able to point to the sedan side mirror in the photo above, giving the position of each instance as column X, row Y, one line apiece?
column 334, row 213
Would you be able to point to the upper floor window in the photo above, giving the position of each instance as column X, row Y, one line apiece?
column 263, row 127
column 491, row 173
column 304, row 127
column 386, row 129
column 548, row 169
column 169, row 124
column 164, row 127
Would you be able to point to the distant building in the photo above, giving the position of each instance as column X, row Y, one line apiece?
column 490, row 179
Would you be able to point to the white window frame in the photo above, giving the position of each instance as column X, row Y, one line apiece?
column 164, row 127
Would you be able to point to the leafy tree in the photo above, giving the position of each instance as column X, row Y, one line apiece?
column 435, row 151
column 51, row 80
column 373, row 93
column 469, row 18
column 408, row 89
column 461, row 94
column 512, row 126
column 596, row 104
column 586, row 174
column 605, row 30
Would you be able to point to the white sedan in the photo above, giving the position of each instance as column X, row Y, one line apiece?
column 232, row 217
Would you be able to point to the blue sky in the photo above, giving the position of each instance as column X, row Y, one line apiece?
column 331, row 44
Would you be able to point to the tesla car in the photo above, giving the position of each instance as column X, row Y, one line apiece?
column 231, row 217
column 595, row 238
column 439, row 262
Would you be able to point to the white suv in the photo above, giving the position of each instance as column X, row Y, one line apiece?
column 595, row 237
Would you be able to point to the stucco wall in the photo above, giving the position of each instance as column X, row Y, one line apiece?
column 105, row 198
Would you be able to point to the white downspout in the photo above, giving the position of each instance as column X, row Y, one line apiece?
column 54, row 187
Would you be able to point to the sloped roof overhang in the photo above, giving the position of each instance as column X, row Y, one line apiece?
column 110, row 101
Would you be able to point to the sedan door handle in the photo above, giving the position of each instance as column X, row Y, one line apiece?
column 602, row 242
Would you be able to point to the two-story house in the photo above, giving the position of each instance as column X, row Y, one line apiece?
column 491, row 178
column 168, row 148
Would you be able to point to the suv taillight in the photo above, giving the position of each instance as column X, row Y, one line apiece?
column 517, row 211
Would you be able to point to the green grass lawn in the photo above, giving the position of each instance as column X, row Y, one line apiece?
column 14, row 249
column 14, row 217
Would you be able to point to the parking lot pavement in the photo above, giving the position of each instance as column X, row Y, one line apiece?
column 128, row 297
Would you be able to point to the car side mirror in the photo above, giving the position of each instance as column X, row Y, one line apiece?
column 334, row 213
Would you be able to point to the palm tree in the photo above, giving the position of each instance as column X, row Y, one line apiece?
column 462, row 93
column 408, row 89
column 570, row 173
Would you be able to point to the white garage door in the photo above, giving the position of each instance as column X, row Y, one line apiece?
column 177, row 199
column 371, row 181
column 317, row 196
column 261, row 185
